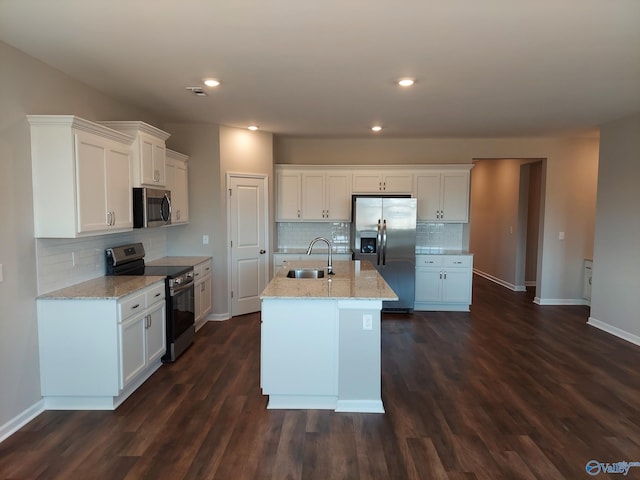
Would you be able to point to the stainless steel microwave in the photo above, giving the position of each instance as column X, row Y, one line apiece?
column 151, row 207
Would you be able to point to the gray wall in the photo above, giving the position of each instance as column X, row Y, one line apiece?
column 615, row 298
column 568, row 203
column 28, row 86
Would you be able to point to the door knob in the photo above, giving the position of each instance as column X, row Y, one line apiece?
column 262, row 252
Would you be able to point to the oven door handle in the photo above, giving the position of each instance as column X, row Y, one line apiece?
column 176, row 290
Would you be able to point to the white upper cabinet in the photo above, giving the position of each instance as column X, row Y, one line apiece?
column 326, row 196
column 288, row 201
column 323, row 194
column 178, row 184
column 313, row 195
column 382, row 181
column 443, row 196
column 81, row 177
column 148, row 150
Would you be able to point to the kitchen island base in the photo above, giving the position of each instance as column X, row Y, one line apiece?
column 321, row 354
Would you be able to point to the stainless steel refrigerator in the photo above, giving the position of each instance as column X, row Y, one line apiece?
column 383, row 231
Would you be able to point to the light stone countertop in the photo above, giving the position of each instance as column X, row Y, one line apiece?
column 177, row 261
column 319, row 248
column 103, row 288
column 440, row 251
column 352, row 281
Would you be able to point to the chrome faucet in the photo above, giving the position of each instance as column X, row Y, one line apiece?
column 329, row 261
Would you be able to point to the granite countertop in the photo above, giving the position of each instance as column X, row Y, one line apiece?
column 319, row 248
column 440, row 251
column 177, row 261
column 352, row 280
column 103, row 288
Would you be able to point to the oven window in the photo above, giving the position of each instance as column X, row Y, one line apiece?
column 182, row 314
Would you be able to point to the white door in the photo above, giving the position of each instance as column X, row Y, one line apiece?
column 248, row 233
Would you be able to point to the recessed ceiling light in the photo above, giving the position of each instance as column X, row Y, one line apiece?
column 406, row 82
column 211, row 82
column 253, row 127
column 376, row 128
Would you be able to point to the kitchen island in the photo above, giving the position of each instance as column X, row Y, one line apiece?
column 320, row 338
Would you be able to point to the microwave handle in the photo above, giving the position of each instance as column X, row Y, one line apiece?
column 165, row 198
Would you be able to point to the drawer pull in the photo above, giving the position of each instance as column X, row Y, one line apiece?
column 458, row 262
column 157, row 294
column 135, row 306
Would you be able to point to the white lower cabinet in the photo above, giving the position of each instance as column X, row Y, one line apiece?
column 142, row 340
column 202, row 292
column 443, row 282
column 95, row 352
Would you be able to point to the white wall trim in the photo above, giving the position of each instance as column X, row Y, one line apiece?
column 530, row 283
column 559, row 301
column 19, row 421
column 218, row 317
column 499, row 281
column 618, row 332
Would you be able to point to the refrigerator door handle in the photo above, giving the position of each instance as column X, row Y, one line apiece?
column 384, row 243
column 379, row 242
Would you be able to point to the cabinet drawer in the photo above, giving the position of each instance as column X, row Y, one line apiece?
column 131, row 306
column 201, row 270
column 155, row 294
column 456, row 260
column 429, row 260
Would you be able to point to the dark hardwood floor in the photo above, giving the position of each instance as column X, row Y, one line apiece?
column 511, row 390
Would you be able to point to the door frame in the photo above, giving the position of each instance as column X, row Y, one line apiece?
column 267, row 231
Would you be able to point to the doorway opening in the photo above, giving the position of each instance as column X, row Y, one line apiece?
column 507, row 218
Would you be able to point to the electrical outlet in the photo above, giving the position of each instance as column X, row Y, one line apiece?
column 367, row 322
column 205, row 239
column 561, row 236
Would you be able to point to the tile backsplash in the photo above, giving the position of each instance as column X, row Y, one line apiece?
column 299, row 234
column 62, row 262
column 449, row 236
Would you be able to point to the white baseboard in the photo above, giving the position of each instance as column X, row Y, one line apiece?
column 618, row 332
column 21, row 420
column 360, row 406
column 560, row 301
column 530, row 283
column 218, row 317
column 499, row 281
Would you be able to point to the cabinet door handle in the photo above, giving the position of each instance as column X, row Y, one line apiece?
column 445, row 275
column 298, row 213
column 440, row 275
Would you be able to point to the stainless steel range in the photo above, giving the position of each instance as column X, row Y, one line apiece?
column 180, row 328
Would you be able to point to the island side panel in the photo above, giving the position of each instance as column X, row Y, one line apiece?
column 299, row 353
column 359, row 371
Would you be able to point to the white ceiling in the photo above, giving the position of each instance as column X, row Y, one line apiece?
column 327, row 67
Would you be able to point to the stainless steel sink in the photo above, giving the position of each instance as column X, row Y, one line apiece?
column 306, row 273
